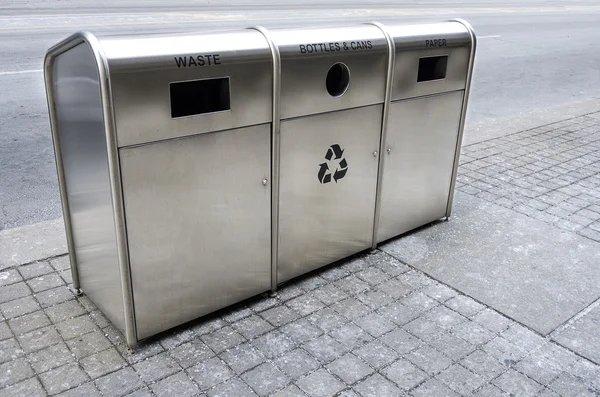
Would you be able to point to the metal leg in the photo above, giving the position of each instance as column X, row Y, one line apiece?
column 77, row 291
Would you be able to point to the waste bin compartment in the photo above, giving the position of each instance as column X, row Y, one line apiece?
column 333, row 84
column 163, row 148
column 431, row 76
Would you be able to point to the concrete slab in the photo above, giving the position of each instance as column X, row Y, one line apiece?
column 583, row 335
column 522, row 267
column 33, row 242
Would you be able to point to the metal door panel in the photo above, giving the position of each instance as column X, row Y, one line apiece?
column 320, row 223
column 198, row 224
column 421, row 139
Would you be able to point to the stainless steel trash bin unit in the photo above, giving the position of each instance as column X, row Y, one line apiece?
column 333, row 84
column 421, row 144
column 163, row 154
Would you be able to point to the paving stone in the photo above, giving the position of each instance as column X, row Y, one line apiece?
column 273, row 344
column 222, row 339
column 86, row 389
column 39, row 339
column 35, row 269
column 231, row 388
column 263, row 303
column 568, row 385
column 10, row 350
column 288, row 292
column 5, row 332
column 352, row 285
column 29, row 322
column 50, row 357
column 88, row 344
column 356, row 264
column 30, row 388
column 60, row 263
column 63, row 378
column 210, row 373
column 280, row 315
column 54, row 296
column 372, row 276
column 156, row 367
column 543, row 393
column 310, row 282
column 376, row 354
column 325, row 349
column 444, row 317
column 99, row 319
column 517, row 384
column 349, row 368
column 389, row 265
column 586, row 371
column 351, row 336
column 14, row 291
column 305, row 304
column 483, row 364
column 395, row 288
column 490, row 390
column 176, row 338
column 14, row 371
column 334, row 273
column 181, row 385
column 297, row 363
column 539, row 369
column 19, row 307
column 9, row 276
column 237, row 313
column 190, row 353
column 144, row 392
column 265, row 379
column 473, row 333
column 243, row 357
column 330, row 294
column 208, row 324
column 503, row 350
column 460, row 379
column 405, row 374
column 102, row 363
column 429, row 359
column 401, row 341
column 415, row 278
column 464, row 305
column 433, row 387
column 419, row 301
column 492, row 321
column 377, row 386
column 253, row 326
column 76, row 327
column 374, row 299
column 375, row 324
column 142, row 351
column 119, row 383
column 320, row 384
column 301, row 331
column 399, row 314
column 424, row 329
column 327, row 319
column 65, row 311
column 290, row 391
column 522, row 337
column 47, row 281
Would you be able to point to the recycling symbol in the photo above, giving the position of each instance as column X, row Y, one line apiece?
column 338, row 163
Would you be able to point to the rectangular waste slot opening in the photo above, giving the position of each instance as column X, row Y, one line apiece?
column 432, row 68
column 199, row 96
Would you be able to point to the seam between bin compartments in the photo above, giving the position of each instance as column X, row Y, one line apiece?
column 384, row 124
column 463, row 113
column 275, row 145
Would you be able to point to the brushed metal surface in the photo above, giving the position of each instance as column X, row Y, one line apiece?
column 198, row 224
column 411, row 42
column 80, row 128
column 303, row 90
column 321, row 223
column 417, row 171
column 141, row 68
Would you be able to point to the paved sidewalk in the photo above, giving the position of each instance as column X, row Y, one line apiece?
column 500, row 300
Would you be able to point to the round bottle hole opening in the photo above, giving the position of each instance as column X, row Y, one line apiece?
column 338, row 80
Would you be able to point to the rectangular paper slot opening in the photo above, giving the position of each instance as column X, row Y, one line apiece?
column 432, row 68
column 189, row 98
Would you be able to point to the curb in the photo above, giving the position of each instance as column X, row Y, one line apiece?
column 30, row 243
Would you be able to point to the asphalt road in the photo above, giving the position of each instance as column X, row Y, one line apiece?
column 532, row 55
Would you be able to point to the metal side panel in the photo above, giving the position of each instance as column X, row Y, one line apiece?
column 326, row 207
column 198, row 224
column 80, row 132
column 419, row 157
